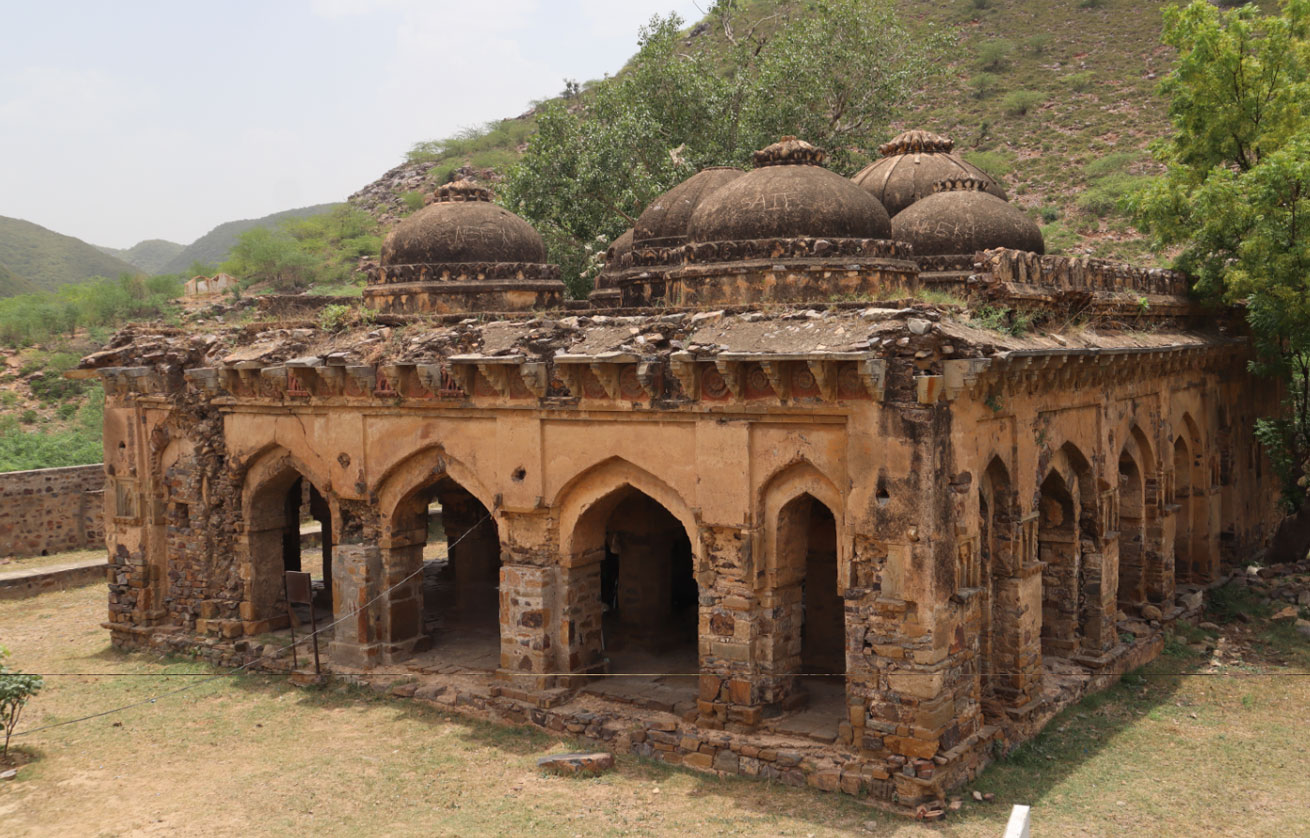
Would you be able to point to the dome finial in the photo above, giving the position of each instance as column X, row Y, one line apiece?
column 912, row 142
column 790, row 151
column 461, row 190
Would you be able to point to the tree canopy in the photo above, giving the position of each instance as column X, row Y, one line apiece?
column 1236, row 192
column 833, row 74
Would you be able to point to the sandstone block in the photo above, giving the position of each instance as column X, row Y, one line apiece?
column 569, row 765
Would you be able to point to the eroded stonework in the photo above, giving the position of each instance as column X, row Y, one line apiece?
column 768, row 529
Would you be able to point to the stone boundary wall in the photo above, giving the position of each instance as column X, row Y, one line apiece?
column 52, row 510
column 1070, row 274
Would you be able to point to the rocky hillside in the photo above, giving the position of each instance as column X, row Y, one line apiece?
column 150, row 255
column 213, row 247
column 39, row 259
column 1057, row 98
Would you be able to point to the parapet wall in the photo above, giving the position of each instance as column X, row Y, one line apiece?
column 51, row 510
column 1063, row 273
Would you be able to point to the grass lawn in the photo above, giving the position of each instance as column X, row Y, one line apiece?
column 8, row 565
column 1208, row 754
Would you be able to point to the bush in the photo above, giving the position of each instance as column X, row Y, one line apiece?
column 16, row 689
column 413, row 200
column 984, row 85
column 1038, row 44
column 1111, row 164
column 1021, row 102
column 994, row 55
column 1080, row 82
column 1109, row 195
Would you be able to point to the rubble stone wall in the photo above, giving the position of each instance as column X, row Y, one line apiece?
column 51, row 510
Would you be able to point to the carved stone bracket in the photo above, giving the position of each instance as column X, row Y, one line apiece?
column 536, row 377
column 825, row 375
column 683, row 366
column 963, row 375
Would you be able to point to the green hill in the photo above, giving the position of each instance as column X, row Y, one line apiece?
column 47, row 259
column 150, row 255
column 1057, row 98
column 213, row 247
column 11, row 284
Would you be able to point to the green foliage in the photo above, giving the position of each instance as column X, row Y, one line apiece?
column 994, row 56
column 1236, row 192
column 79, row 444
column 1080, row 82
column 213, row 247
column 1020, row 102
column 995, row 163
column 413, row 200
column 833, row 75
column 16, row 689
column 1008, row 321
column 985, row 85
column 33, row 318
column 1038, row 44
column 1111, row 164
column 333, row 318
column 1111, row 194
column 322, row 248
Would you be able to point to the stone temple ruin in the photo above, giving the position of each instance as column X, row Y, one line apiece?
column 759, row 505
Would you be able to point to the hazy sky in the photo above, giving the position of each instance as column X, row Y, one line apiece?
column 122, row 121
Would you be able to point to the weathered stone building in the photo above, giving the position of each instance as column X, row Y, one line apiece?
column 873, row 537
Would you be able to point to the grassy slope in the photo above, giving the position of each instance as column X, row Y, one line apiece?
column 212, row 247
column 150, row 255
column 11, row 284
column 48, row 259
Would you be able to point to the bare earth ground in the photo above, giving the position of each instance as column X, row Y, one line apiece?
column 1208, row 754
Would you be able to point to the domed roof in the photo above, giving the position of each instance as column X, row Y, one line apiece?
column 911, row 163
column 788, row 195
column 620, row 252
column 962, row 217
column 461, row 225
column 664, row 222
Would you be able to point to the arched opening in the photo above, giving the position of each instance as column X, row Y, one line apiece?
column 1183, row 517
column 813, row 611
column 1131, row 593
column 1000, row 645
column 648, row 590
column 280, row 536
column 444, row 542
column 1057, row 547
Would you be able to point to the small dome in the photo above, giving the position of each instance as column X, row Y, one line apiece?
column 962, row 217
column 461, row 225
column 788, row 195
column 911, row 163
column 619, row 254
column 664, row 223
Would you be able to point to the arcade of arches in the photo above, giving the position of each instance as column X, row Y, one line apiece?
column 767, row 526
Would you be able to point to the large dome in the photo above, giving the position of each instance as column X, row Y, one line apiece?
column 461, row 225
column 911, row 164
column 665, row 221
column 788, row 195
column 961, row 217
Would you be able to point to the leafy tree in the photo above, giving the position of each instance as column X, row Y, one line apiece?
column 834, row 73
column 1236, row 197
column 15, row 691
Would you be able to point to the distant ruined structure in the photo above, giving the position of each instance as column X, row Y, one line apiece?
column 755, row 507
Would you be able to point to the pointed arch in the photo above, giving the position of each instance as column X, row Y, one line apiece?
column 785, row 485
column 421, row 468
column 587, row 499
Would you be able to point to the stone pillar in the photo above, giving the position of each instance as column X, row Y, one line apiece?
column 580, row 632
column 1100, row 596
column 527, row 613
column 1017, row 640
column 731, row 632
column 356, row 580
column 1159, row 547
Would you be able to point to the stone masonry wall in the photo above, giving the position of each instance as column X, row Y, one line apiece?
column 52, row 510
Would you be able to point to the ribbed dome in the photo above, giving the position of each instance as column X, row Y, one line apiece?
column 962, row 217
column 911, row 163
column 788, row 195
column 462, row 225
column 665, row 221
